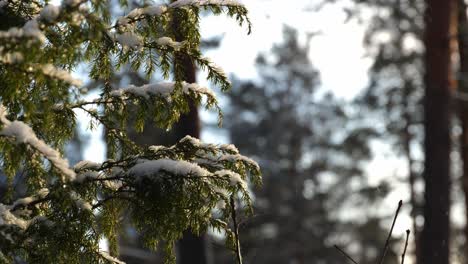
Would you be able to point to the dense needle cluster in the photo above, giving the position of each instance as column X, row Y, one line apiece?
column 68, row 210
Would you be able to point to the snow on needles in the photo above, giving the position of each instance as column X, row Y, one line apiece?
column 29, row 30
column 53, row 72
column 50, row 13
column 177, row 167
column 158, row 10
column 181, row 3
column 129, row 39
column 234, row 178
column 24, row 134
column 27, row 200
column 110, row 258
column 8, row 218
column 162, row 89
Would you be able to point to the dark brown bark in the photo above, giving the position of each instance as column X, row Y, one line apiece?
column 411, row 174
column 437, row 145
column 463, row 107
column 192, row 249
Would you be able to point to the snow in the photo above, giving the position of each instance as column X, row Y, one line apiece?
column 216, row 68
column 53, row 72
column 166, row 41
column 50, row 13
column 27, row 200
column 81, row 177
column 80, row 202
column 110, row 258
column 229, row 148
column 30, row 29
column 161, row 88
column 177, row 167
column 234, row 178
column 238, row 157
column 154, row 10
column 158, row 10
column 11, row 58
column 129, row 39
column 87, row 165
column 181, row 3
column 24, row 134
column 8, row 218
column 156, row 148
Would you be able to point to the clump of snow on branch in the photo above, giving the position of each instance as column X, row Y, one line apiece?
column 80, row 202
column 53, row 72
column 25, row 135
column 234, row 178
column 29, row 30
column 50, row 13
column 181, row 3
column 28, row 200
column 216, row 68
column 11, row 57
column 158, row 10
column 161, row 89
column 129, row 39
column 7, row 218
column 87, row 165
column 155, row 10
column 110, row 258
column 3, row 3
column 177, row 167
column 166, row 41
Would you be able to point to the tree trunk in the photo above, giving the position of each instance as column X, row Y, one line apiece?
column 411, row 174
column 463, row 106
column 437, row 145
column 192, row 249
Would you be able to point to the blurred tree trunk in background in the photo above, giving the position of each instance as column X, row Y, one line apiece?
column 191, row 248
column 437, row 143
column 463, row 106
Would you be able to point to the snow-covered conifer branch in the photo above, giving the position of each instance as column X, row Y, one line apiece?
column 164, row 89
column 158, row 10
column 180, row 184
column 24, row 134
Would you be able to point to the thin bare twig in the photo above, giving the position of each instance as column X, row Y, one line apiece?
column 344, row 254
column 400, row 203
column 406, row 245
column 236, row 231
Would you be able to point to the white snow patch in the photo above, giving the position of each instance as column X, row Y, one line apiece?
column 129, row 39
column 181, row 3
column 80, row 202
column 166, row 41
column 50, row 13
column 110, row 258
column 8, row 218
column 234, row 178
column 161, row 88
column 87, row 165
column 27, row 200
column 25, row 135
column 53, row 72
column 178, row 167
column 30, row 29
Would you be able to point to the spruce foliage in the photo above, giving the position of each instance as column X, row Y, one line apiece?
column 167, row 190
